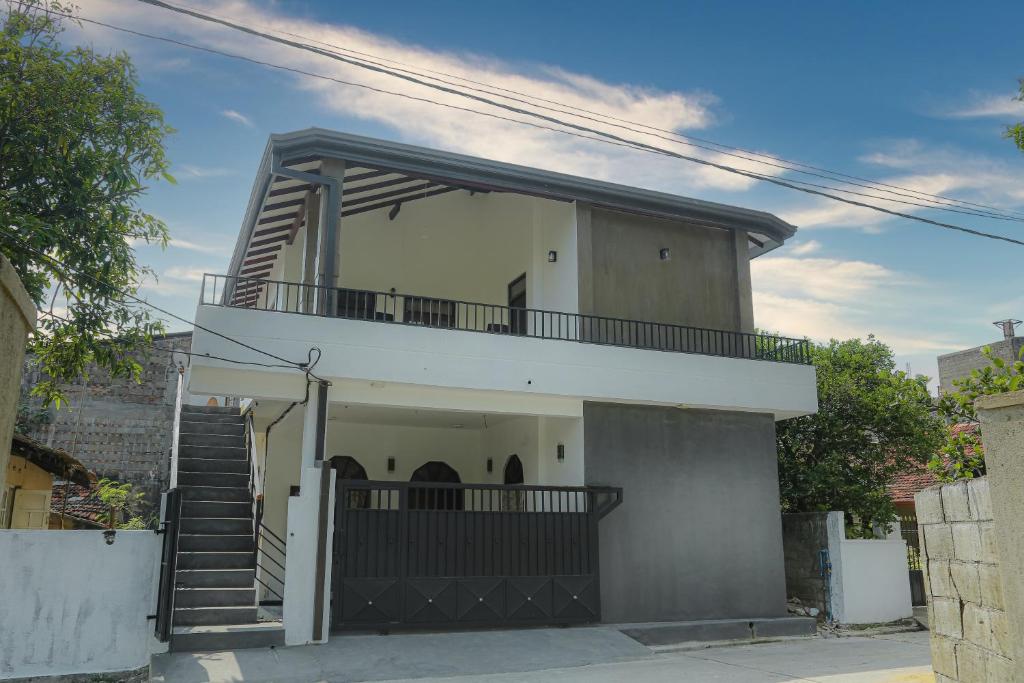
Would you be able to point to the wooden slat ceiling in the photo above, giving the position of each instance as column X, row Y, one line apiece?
column 284, row 212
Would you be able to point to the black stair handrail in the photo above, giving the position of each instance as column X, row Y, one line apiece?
column 267, row 547
column 168, row 565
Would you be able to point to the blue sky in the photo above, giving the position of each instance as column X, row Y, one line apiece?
column 901, row 93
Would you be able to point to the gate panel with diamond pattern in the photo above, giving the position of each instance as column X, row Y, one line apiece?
column 466, row 554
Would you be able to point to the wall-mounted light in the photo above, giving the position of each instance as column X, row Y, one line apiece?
column 561, row 452
column 391, row 464
column 552, row 256
column 394, row 210
column 665, row 254
column 490, row 464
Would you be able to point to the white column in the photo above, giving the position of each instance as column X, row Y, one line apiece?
column 303, row 530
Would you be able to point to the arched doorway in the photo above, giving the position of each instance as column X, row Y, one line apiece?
column 513, row 475
column 348, row 468
column 435, row 498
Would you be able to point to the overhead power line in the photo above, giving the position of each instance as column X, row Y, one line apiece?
column 599, row 136
column 935, row 201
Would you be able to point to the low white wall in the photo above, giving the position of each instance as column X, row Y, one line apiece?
column 876, row 584
column 71, row 604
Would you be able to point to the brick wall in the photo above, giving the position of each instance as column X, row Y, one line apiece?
column 117, row 427
column 969, row 628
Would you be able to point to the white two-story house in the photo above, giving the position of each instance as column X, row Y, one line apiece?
column 479, row 394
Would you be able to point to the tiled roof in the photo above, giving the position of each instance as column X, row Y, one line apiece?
column 82, row 502
column 903, row 488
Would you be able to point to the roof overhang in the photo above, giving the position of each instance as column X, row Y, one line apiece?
column 52, row 460
column 304, row 150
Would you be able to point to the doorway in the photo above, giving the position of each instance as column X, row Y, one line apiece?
column 517, row 300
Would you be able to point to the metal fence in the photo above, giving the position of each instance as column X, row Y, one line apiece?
column 424, row 311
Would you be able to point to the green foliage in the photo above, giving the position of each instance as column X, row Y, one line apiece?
column 873, row 423
column 122, row 502
column 30, row 417
column 962, row 456
column 1016, row 131
column 77, row 142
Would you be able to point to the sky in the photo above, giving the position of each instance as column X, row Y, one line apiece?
column 899, row 93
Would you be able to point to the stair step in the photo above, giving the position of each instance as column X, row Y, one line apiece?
column 212, row 418
column 196, row 616
column 231, row 526
column 215, row 578
column 212, row 410
column 237, row 494
column 211, row 440
column 213, row 465
column 227, row 543
column 218, row 638
column 214, row 560
column 227, row 480
column 212, row 452
column 214, row 597
column 215, row 508
column 225, row 428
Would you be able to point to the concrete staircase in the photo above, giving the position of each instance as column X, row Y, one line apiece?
column 215, row 583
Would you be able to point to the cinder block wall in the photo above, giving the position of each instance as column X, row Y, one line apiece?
column 969, row 629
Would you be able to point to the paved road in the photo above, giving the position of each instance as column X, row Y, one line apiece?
column 584, row 654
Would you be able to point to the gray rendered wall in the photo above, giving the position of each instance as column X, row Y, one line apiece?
column 705, row 283
column 699, row 532
column 960, row 363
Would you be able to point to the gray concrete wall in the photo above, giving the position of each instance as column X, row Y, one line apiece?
column 804, row 536
column 705, row 283
column 960, row 363
column 17, row 320
column 699, row 532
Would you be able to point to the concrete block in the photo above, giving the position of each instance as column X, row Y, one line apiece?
column 944, row 656
column 967, row 542
column 928, row 504
column 980, row 499
column 977, row 625
column 691, row 631
column 964, row 576
column 989, row 550
column 1001, row 639
column 939, row 678
column 955, row 504
column 946, row 618
column 785, row 626
column 991, row 586
column 999, row 668
column 971, row 663
column 938, row 541
column 941, row 584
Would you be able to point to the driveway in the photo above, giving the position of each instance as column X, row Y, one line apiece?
column 593, row 654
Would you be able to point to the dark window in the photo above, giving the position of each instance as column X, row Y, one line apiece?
column 430, row 312
column 435, row 498
column 348, row 468
column 517, row 299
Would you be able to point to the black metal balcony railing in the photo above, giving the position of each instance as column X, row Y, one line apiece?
column 406, row 309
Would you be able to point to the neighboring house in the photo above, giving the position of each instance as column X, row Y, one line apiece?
column 74, row 506
column 120, row 428
column 498, row 356
column 25, row 501
column 959, row 364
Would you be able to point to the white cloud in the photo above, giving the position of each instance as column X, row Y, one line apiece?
column 804, row 248
column 237, row 117
column 191, row 171
column 200, row 248
column 444, row 127
column 988, row 105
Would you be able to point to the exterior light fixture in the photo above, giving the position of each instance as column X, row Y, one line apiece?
column 561, row 452
column 391, row 464
column 552, row 256
column 490, row 464
column 665, row 254
column 109, row 535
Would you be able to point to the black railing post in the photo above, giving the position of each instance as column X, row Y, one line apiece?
column 168, row 566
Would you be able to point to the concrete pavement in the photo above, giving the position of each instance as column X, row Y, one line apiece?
column 595, row 654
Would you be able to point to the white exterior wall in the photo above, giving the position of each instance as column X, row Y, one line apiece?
column 876, row 586
column 71, row 604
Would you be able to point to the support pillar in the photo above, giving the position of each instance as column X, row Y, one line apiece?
column 1002, row 433
column 310, row 532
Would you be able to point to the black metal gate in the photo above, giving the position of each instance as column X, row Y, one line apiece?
column 435, row 555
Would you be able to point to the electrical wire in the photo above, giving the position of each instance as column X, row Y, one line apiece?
column 599, row 136
column 690, row 140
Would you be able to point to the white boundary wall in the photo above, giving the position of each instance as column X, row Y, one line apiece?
column 71, row 604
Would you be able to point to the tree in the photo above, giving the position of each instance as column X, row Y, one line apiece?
column 1016, row 131
column 122, row 503
column 873, row 422
column 77, row 142
column 962, row 456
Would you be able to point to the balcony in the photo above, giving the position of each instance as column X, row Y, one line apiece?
column 447, row 314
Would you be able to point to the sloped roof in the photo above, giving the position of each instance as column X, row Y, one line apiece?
column 82, row 502
column 53, row 460
column 903, row 488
